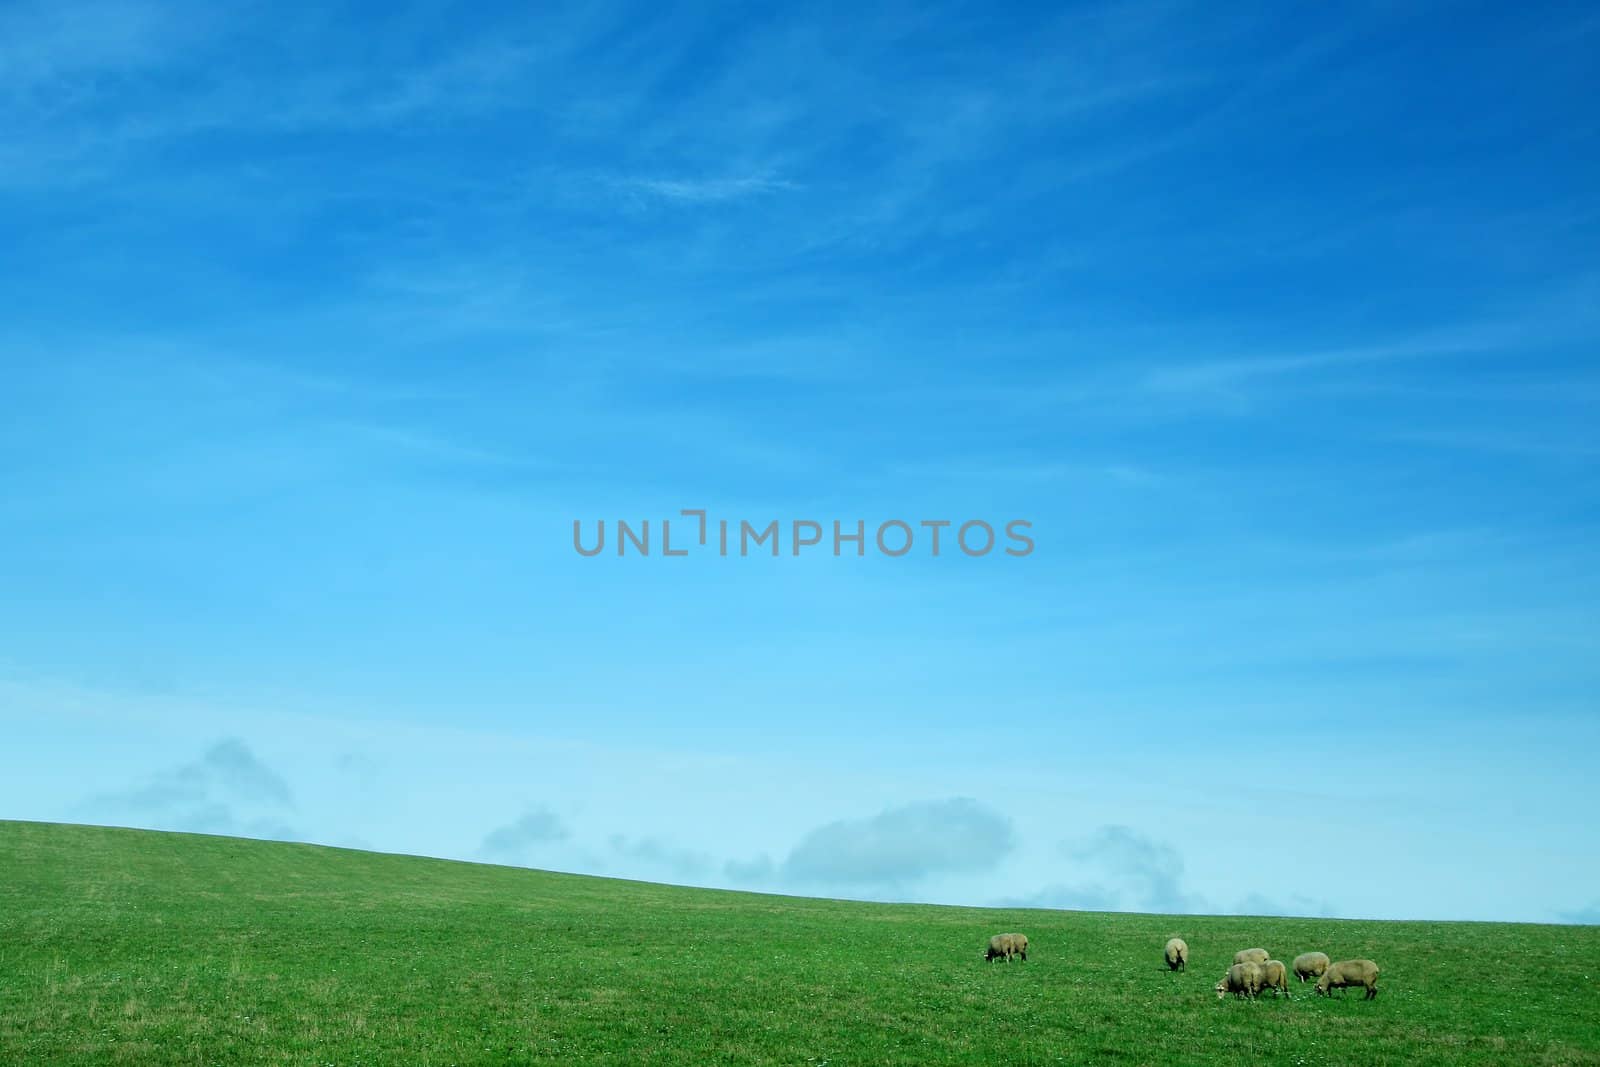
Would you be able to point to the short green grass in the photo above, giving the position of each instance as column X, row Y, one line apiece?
column 122, row 946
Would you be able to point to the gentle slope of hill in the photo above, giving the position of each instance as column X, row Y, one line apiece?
column 140, row 947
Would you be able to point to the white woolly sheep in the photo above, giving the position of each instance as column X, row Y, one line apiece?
column 1274, row 975
column 1350, row 973
column 1243, row 979
column 1309, row 965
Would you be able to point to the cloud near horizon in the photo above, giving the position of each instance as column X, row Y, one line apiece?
column 901, row 845
column 1586, row 916
column 661, row 858
column 228, row 790
column 952, row 850
column 1118, row 869
column 518, row 842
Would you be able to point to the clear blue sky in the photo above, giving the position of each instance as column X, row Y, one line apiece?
column 318, row 329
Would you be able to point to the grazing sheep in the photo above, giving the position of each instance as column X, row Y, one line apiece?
column 1177, row 953
column 1007, row 945
column 1349, row 973
column 1309, row 965
column 1274, row 975
column 1243, row 979
column 1019, row 945
column 1252, row 955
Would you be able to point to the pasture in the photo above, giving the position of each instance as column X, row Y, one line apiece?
column 122, row 946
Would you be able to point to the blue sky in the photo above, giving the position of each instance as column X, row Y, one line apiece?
column 318, row 330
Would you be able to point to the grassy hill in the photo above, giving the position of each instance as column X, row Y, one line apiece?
column 121, row 946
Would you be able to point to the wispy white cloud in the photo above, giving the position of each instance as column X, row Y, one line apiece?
column 1564, row 314
column 1003, row 469
column 1531, row 443
column 88, row 92
column 44, row 46
column 706, row 190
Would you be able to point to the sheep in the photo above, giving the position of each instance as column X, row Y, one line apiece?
column 1252, row 955
column 1309, row 965
column 1275, row 976
column 1177, row 953
column 1007, row 946
column 1242, row 978
column 1349, row 973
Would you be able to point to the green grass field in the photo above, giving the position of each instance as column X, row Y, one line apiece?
column 121, row 946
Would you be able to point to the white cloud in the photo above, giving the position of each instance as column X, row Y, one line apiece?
column 706, row 190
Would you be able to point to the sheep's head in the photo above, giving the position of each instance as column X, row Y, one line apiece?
column 1222, row 987
column 1322, row 985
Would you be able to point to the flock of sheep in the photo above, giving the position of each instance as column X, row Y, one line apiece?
column 1253, row 971
column 1253, row 968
